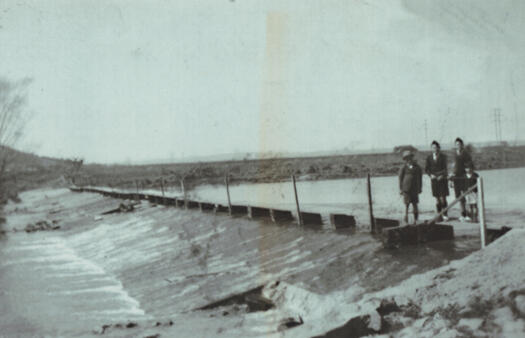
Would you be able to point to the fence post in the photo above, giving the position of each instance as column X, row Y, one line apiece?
column 184, row 193
column 227, row 182
column 299, row 217
column 481, row 211
column 370, row 208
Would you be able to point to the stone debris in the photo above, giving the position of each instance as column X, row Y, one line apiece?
column 387, row 317
column 42, row 226
column 356, row 327
column 252, row 299
column 106, row 327
column 290, row 322
column 123, row 207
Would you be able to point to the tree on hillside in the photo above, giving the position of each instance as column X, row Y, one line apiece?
column 13, row 118
column 74, row 165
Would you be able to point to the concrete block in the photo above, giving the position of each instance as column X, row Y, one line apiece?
column 207, row 207
column 193, row 205
column 342, row 221
column 258, row 212
column 311, row 219
column 281, row 216
column 493, row 234
column 382, row 223
column 415, row 234
column 219, row 208
column 239, row 210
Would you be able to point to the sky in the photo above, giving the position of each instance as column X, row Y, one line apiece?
column 131, row 81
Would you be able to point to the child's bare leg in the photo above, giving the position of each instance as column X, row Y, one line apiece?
column 406, row 212
column 416, row 212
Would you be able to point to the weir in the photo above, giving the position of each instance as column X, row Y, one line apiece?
column 390, row 231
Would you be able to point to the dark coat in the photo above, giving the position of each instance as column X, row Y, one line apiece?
column 438, row 168
column 460, row 161
column 410, row 179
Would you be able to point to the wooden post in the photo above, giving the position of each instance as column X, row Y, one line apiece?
column 370, row 208
column 227, row 182
column 481, row 203
column 184, row 194
column 297, row 201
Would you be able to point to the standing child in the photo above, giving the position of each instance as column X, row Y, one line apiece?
column 471, row 179
column 410, row 176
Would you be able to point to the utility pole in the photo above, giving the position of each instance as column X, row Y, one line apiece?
column 497, row 124
column 426, row 132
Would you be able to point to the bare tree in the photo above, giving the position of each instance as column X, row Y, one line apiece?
column 74, row 166
column 13, row 118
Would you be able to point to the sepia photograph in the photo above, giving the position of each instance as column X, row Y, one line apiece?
column 262, row 168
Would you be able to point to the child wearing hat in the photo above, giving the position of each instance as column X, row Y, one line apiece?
column 410, row 177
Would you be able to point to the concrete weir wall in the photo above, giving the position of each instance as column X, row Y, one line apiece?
column 392, row 234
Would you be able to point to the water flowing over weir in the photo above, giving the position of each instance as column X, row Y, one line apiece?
column 161, row 262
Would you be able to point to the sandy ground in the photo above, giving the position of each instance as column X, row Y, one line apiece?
column 151, row 268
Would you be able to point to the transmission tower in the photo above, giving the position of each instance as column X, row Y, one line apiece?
column 426, row 132
column 497, row 124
